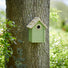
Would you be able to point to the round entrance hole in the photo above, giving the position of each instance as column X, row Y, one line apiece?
column 38, row 27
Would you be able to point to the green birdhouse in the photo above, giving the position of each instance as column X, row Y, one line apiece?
column 36, row 30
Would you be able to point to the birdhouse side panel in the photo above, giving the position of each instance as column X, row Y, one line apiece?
column 38, row 33
column 30, row 35
column 44, row 36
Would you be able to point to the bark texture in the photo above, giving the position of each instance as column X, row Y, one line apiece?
column 26, row 54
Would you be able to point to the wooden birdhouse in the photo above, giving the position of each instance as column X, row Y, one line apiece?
column 36, row 30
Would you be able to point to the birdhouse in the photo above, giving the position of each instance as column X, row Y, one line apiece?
column 36, row 30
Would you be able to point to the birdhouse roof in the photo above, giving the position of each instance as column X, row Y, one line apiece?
column 34, row 22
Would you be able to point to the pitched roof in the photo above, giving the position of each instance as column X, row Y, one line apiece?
column 34, row 21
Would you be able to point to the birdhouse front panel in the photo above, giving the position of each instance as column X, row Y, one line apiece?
column 38, row 33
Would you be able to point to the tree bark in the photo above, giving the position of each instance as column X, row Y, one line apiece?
column 26, row 54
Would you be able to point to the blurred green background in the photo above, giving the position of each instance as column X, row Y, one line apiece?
column 58, row 33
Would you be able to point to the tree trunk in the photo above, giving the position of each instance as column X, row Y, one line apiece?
column 26, row 54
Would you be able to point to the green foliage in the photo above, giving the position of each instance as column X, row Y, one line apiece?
column 60, row 6
column 58, row 49
column 65, row 28
column 55, row 18
column 6, row 39
column 58, row 42
column 2, row 16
